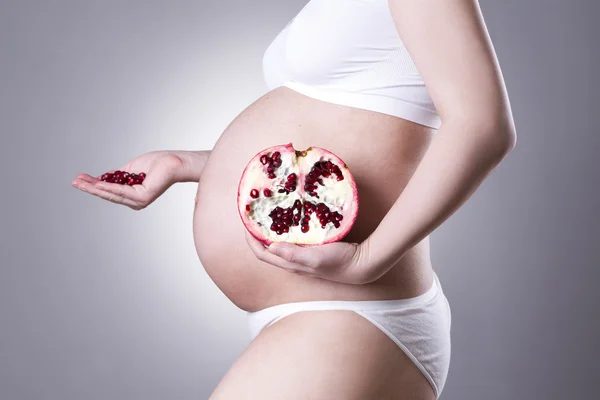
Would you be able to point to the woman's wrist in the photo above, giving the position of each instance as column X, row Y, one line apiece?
column 372, row 261
column 192, row 164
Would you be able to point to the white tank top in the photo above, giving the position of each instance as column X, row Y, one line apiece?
column 348, row 52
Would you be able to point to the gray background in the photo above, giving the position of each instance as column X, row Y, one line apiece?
column 100, row 302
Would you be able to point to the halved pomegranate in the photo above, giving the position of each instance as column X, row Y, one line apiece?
column 306, row 197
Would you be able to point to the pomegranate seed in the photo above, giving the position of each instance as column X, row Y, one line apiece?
column 305, row 228
column 267, row 193
column 254, row 193
column 276, row 155
column 247, row 207
column 264, row 159
column 123, row 177
column 292, row 177
column 340, row 178
column 336, row 224
column 270, row 169
column 277, row 163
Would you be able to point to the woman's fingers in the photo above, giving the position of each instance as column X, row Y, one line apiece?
column 87, row 178
column 115, row 193
column 264, row 255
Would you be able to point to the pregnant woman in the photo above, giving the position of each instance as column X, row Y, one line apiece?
column 410, row 95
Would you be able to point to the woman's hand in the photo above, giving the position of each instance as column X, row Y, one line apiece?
column 161, row 168
column 339, row 262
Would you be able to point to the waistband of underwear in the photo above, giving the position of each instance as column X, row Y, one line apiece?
column 366, row 305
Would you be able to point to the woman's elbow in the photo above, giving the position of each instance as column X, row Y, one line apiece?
column 502, row 137
column 495, row 133
column 492, row 135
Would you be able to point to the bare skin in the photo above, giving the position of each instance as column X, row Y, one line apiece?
column 299, row 358
column 409, row 180
column 382, row 152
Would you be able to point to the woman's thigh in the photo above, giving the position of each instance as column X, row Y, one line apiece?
column 323, row 355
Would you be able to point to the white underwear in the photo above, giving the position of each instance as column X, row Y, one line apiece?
column 419, row 325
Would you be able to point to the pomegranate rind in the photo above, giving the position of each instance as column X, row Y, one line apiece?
column 349, row 205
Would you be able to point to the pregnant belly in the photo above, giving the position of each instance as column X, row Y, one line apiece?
column 382, row 153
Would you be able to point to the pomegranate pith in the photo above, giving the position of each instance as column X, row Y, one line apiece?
column 306, row 197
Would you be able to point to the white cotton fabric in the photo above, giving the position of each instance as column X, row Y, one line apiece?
column 420, row 326
column 348, row 52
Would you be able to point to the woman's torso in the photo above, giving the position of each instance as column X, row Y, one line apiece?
column 381, row 150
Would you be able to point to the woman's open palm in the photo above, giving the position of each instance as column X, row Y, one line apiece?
column 161, row 168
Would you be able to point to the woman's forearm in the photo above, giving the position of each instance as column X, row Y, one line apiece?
column 457, row 161
column 193, row 163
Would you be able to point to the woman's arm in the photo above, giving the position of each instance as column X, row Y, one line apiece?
column 192, row 164
column 450, row 46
